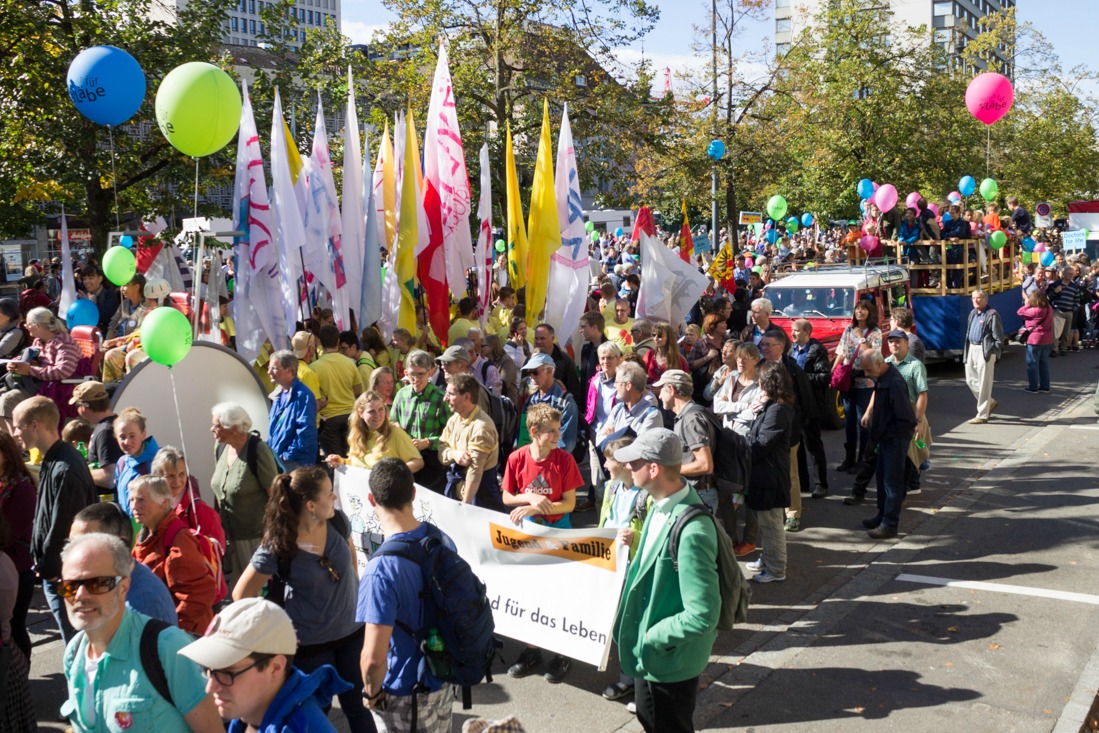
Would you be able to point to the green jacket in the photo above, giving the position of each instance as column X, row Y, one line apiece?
column 667, row 621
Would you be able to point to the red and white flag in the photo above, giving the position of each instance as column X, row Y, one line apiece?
column 570, row 270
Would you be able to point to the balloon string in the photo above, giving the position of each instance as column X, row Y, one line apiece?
column 114, row 178
column 183, row 447
column 988, row 149
column 196, row 188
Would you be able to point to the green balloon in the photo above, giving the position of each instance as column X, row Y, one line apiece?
column 1086, row 233
column 595, row 236
column 1027, row 257
column 165, row 336
column 792, row 225
column 589, row 226
column 198, row 108
column 758, row 270
column 776, row 207
column 997, row 240
column 989, row 189
column 119, row 265
column 501, row 245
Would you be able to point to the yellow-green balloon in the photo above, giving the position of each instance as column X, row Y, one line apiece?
column 776, row 207
column 989, row 189
column 119, row 265
column 997, row 240
column 166, row 336
column 198, row 108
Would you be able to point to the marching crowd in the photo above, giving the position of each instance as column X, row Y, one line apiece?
column 178, row 615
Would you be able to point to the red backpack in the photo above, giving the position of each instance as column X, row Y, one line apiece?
column 211, row 553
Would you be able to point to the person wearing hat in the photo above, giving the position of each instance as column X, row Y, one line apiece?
column 915, row 377
column 675, row 388
column 11, row 336
column 454, row 361
column 666, row 618
column 93, row 403
column 304, row 346
column 546, row 390
column 248, row 654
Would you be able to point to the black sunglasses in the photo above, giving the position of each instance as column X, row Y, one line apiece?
column 96, row 586
column 327, row 565
column 224, row 677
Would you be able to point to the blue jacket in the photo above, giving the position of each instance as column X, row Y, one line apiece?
column 298, row 706
column 128, row 468
column 293, row 426
column 909, row 233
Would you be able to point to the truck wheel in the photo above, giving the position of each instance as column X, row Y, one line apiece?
column 834, row 419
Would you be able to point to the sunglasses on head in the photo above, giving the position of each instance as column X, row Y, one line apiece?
column 96, row 586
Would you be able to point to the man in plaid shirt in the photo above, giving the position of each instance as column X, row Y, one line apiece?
column 419, row 408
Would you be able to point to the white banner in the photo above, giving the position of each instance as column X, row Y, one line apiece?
column 1074, row 240
column 556, row 588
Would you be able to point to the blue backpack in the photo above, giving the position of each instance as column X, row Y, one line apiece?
column 457, row 605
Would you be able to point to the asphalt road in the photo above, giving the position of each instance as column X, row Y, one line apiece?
column 869, row 635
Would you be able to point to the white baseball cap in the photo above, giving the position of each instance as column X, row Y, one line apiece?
column 249, row 626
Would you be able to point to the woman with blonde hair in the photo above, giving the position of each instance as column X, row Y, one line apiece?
column 384, row 383
column 373, row 437
column 57, row 358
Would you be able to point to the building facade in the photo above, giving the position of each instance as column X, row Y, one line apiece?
column 244, row 24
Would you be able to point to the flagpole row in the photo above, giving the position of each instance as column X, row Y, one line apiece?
column 114, row 178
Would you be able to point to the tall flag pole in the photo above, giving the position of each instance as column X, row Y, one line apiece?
column 570, row 271
column 323, row 224
column 432, row 264
column 517, row 233
column 686, row 242
column 289, row 230
column 544, row 228
column 484, row 239
column 353, row 222
column 369, row 308
column 68, row 276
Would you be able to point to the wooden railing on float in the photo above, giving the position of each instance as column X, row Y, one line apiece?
column 931, row 273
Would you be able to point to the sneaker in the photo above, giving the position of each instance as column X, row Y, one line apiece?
column 913, row 492
column 1047, row 389
column 977, row 421
column 793, row 524
column 740, row 549
column 819, row 493
column 871, row 522
column 528, row 661
column 854, row 499
column 847, row 465
column 585, row 506
column 993, row 406
column 766, row 577
column 1031, row 391
column 631, row 707
column 755, row 566
column 617, row 691
column 558, row 667
column 882, row 533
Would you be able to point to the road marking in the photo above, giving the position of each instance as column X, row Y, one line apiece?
column 1059, row 595
column 1083, row 427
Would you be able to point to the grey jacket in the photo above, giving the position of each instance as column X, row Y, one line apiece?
column 992, row 336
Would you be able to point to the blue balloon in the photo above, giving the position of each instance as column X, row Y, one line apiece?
column 1047, row 258
column 619, row 232
column 1028, row 244
column 82, row 313
column 865, row 188
column 106, row 84
column 716, row 149
column 807, row 219
column 966, row 186
column 862, row 206
column 126, row 241
column 772, row 236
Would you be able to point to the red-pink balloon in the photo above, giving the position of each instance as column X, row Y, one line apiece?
column 913, row 200
column 934, row 209
column 886, row 197
column 868, row 243
column 989, row 97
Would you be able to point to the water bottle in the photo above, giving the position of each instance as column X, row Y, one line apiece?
column 435, row 641
column 83, row 449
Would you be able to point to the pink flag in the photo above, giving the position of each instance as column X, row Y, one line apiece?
column 484, row 239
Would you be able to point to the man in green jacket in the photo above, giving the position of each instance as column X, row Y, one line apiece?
column 667, row 620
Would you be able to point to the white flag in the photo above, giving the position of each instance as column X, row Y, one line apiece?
column 370, row 302
column 569, row 272
column 257, row 303
column 669, row 286
column 484, row 239
column 323, row 224
column 353, row 238
column 289, row 230
column 445, row 169
column 391, row 300
column 68, row 276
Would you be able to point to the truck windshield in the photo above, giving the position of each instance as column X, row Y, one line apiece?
column 820, row 302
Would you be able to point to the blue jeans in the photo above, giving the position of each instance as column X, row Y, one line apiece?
column 890, row 476
column 855, row 402
column 57, row 608
column 1037, row 366
column 346, row 657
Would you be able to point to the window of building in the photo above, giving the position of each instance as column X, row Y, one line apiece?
column 784, row 25
column 252, row 27
column 235, row 26
column 781, row 49
column 252, row 6
column 783, row 3
column 262, row 28
column 940, row 8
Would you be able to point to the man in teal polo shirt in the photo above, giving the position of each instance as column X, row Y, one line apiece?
column 109, row 689
column 667, row 620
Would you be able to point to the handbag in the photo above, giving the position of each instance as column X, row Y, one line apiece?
column 842, row 376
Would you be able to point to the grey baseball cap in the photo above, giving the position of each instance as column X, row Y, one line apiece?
column 454, row 353
column 658, row 445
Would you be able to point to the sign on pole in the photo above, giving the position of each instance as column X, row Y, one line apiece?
column 751, row 217
column 1074, row 240
column 1043, row 218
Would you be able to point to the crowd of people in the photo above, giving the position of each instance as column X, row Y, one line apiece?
column 625, row 421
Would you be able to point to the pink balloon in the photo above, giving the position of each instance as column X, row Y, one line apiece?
column 1039, row 247
column 954, row 196
column 886, row 197
column 868, row 243
column 913, row 200
column 934, row 209
column 989, row 97
column 876, row 187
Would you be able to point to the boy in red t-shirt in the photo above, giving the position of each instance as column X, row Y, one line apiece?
column 540, row 479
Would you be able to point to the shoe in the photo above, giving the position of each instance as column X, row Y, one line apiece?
column 585, row 506
column 558, row 667
column 854, row 499
column 819, row 493
column 882, row 533
column 993, row 407
column 847, row 465
column 793, row 524
column 871, row 523
column 755, row 565
column 977, row 421
column 765, row 577
column 1047, row 389
column 528, row 661
column 1053, row 355
column 631, row 707
column 617, row 691
column 913, row 492
column 740, row 549
column 1075, row 348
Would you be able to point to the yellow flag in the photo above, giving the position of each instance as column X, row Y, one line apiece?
column 292, row 153
column 544, row 229
column 408, row 232
column 389, row 188
column 517, row 235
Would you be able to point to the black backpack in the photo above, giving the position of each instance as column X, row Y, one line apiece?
column 456, row 604
column 505, row 417
column 732, row 458
column 149, row 654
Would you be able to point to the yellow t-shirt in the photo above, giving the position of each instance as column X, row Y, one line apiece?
column 399, row 446
column 366, row 366
column 338, row 377
column 618, row 333
column 459, row 329
column 499, row 321
column 309, row 378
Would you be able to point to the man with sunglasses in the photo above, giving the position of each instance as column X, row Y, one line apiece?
column 248, row 655
column 109, row 688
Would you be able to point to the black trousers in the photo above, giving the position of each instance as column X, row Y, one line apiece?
column 812, row 445
column 333, row 435
column 666, row 707
column 868, row 469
